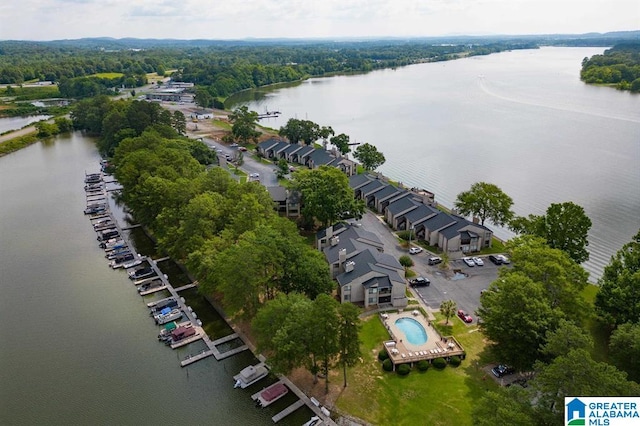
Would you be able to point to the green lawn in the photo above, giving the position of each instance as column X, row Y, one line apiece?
column 107, row 75
column 432, row 398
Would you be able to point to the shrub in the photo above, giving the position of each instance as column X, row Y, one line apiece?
column 382, row 355
column 403, row 369
column 387, row 365
column 455, row 361
column 439, row 363
column 423, row 365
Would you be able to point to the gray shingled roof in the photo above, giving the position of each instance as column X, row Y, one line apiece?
column 439, row 221
column 354, row 239
column 320, row 157
column 421, row 213
column 292, row 148
column 386, row 192
column 265, row 145
column 371, row 187
column 277, row 193
column 305, row 151
column 357, row 181
column 371, row 261
column 401, row 205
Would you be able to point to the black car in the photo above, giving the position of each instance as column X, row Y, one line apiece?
column 419, row 282
column 502, row 370
column 495, row 259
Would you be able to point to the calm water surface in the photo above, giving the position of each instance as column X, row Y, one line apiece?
column 522, row 120
column 78, row 344
column 14, row 123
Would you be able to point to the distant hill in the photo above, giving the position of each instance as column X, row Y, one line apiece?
column 588, row 39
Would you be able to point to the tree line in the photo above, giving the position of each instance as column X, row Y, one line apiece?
column 619, row 66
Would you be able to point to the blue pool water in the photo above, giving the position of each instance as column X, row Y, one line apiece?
column 413, row 331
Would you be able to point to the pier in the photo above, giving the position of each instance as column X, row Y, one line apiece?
column 186, row 287
column 290, row 409
column 194, row 358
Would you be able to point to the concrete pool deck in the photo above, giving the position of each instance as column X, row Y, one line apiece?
column 401, row 351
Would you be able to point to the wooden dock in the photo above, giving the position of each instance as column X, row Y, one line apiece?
column 126, row 228
column 186, row 287
column 225, row 339
column 194, row 358
column 290, row 409
column 153, row 290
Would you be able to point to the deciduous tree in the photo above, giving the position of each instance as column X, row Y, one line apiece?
column 369, row 156
column 565, row 227
column 348, row 334
column 618, row 298
column 624, row 349
column 448, row 309
column 326, row 194
column 244, row 123
column 485, row 201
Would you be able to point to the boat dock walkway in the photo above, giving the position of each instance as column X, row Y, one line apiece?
column 290, row 409
column 194, row 358
column 186, row 287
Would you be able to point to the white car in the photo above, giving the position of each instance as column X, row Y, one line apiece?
column 504, row 258
column 415, row 250
column 468, row 261
column 478, row 261
column 254, row 176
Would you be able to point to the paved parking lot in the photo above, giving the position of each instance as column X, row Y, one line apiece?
column 464, row 291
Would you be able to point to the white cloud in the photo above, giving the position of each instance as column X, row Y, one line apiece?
column 55, row 19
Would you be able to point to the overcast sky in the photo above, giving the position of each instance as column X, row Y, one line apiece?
column 234, row 19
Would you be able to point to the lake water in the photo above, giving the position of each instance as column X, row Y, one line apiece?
column 522, row 120
column 14, row 123
column 78, row 344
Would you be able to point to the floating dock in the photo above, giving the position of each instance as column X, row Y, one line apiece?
column 194, row 358
column 290, row 409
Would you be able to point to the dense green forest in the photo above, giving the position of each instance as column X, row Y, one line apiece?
column 619, row 65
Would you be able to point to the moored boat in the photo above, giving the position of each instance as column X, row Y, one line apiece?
column 165, row 317
column 250, row 375
column 271, row 394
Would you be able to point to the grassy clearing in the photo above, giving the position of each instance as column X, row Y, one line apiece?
column 107, row 75
column 433, row 397
column 222, row 124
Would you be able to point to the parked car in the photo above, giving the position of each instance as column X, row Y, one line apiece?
column 468, row 261
column 504, row 259
column 419, row 282
column 434, row 260
column 464, row 317
column 415, row 250
column 502, row 370
column 495, row 259
column 234, row 145
column 478, row 261
column 243, row 149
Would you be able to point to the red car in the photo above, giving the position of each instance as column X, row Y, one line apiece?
column 464, row 317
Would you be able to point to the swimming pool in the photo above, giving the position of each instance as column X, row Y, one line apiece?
column 413, row 330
